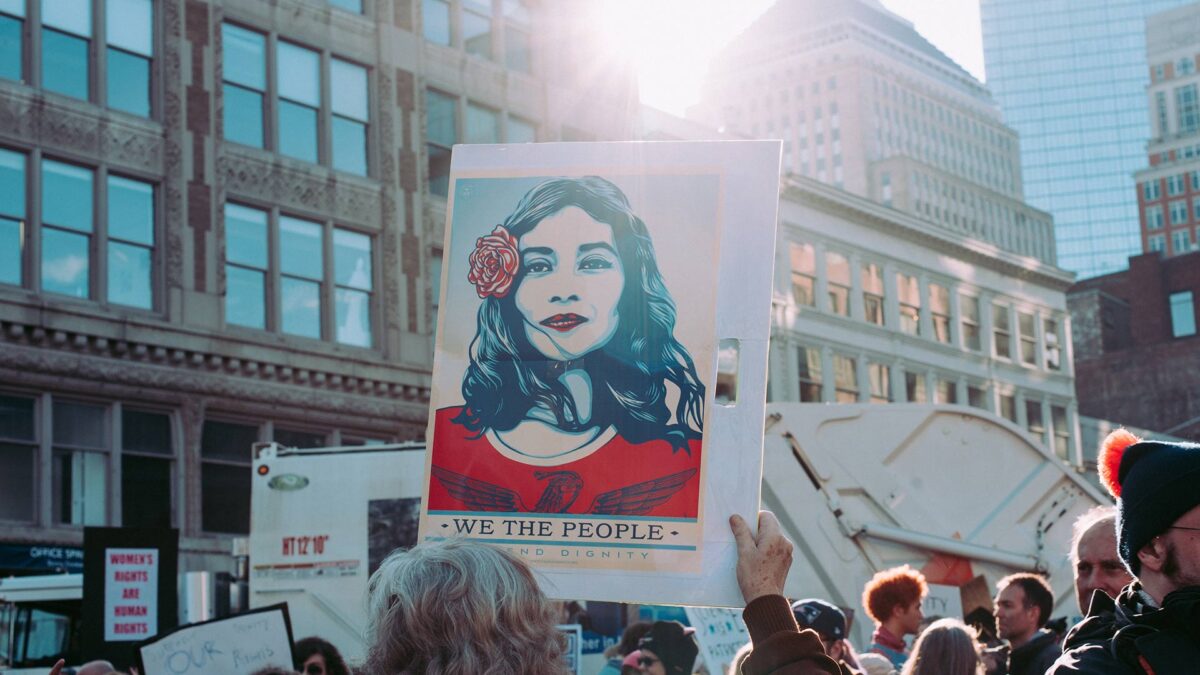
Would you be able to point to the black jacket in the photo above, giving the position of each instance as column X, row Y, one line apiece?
column 1132, row 637
column 1036, row 656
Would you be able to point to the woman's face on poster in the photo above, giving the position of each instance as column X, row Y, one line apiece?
column 572, row 281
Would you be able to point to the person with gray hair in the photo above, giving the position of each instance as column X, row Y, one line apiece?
column 1094, row 556
column 458, row 607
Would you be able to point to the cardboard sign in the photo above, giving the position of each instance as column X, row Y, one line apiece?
column 130, row 594
column 129, row 590
column 573, row 654
column 235, row 645
column 943, row 601
column 587, row 290
column 720, row 632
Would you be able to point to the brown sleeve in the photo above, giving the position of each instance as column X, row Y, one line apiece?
column 780, row 647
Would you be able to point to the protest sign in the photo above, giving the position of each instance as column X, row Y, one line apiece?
column 573, row 654
column 943, row 601
column 587, row 290
column 234, row 645
column 129, row 589
column 720, row 633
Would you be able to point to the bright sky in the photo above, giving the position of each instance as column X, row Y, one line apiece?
column 672, row 41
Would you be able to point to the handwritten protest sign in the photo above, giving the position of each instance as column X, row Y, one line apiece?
column 130, row 594
column 574, row 416
column 720, row 632
column 235, row 645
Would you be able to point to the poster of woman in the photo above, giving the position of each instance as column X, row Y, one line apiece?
column 575, row 360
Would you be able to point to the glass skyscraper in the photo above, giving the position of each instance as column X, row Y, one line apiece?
column 1071, row 77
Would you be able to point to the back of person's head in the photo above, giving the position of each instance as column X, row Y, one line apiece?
column 673, row 644
column 824, row 617
column 891, row 588
column 459, row 607
column 306, row 648
column 97, row 667
column 1037, row 593
column 947, row 647
column 875, row 664
column 629, row 639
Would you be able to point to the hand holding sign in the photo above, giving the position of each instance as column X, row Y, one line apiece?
column 763, row 560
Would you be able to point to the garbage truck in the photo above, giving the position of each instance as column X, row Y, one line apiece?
column 957, row 492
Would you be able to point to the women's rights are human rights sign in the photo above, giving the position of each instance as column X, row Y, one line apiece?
column 574, row 409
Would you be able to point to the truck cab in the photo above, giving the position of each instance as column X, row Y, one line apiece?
column 39, row 621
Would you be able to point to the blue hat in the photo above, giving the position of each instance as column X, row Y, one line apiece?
column 1155, row 483
column 820, row 616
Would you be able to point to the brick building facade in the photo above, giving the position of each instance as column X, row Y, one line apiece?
column 1137, row 350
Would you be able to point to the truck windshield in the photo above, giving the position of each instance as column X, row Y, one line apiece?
column 38, row 633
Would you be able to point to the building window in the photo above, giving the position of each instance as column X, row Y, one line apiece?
column 1001, row 332
column 804, row 273
column 1154, row 218
column 1156, row 243
column 80, row 463
column 908, row 292
column 1008, row 407
column 1151, row 190
column 477, row 27
column 1062, row 432
column 914, row 387
column 1160, row 106
column 1179, row 212
column 1185, row 66
column 1026, row 323
column 1187, row 109
column 483, row 125
column 845, row 379
column 879, row 377
column 517, row 49
column 66, row 228
column 1174, row 185
column 441, row 113
column 968, row 307
column 939, row 312
column 244, row 71
column 129, row 25
column 837, row 271
column 147, row 456
column 226, row 455
column 300, row 120
column 299, row 100
column 348, row 5
column 872, row 283
column 520, row 131
column 66, row 42
column 1183, row 314
column 1053, row 344
column 435, row 21
column 298, row 301
column 12, row 29
column 946, row 392
column 1181, row 242
column 13, row 230
column 810, row 374
column 130, row 242
column 885, row 181
column 1033, row 419
column 18, row 458
column 977, row 397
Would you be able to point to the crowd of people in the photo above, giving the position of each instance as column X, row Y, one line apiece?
column 460, row 607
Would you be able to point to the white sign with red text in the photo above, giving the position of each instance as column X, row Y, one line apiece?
column 130, row 594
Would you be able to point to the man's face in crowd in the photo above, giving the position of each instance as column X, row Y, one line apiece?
column 910, row 618
column 1098, row 567
column 1014, row 619
column 1182, row 564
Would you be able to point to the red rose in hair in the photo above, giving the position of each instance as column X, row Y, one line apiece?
column 494, row 263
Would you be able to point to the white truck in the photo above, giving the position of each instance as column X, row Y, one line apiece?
column 39, row 615
column 957, row 492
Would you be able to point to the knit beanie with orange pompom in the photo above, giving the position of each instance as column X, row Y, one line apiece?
column 1154, row 483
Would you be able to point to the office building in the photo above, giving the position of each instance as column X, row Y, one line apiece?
column 1168, row 187
column 1070, row 78
column 862, row 102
